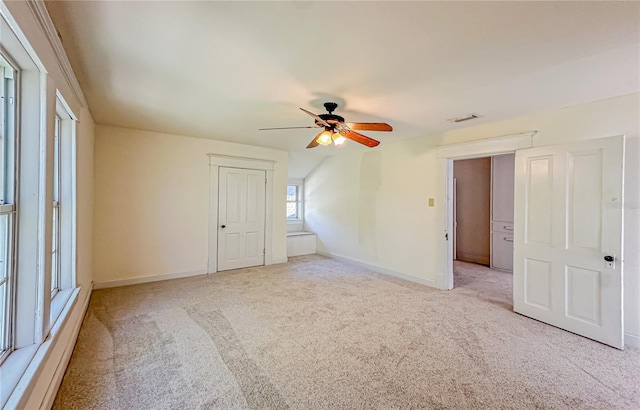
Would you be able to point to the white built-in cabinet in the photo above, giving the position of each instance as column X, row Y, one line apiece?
column 502, row 173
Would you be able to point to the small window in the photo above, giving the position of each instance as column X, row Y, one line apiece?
column 294, row 202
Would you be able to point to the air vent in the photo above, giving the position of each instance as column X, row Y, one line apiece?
column 465, row 118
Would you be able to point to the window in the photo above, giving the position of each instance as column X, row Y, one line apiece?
column 7, row 203
column 63, row 218
column 55, row 236
column 294, row 202
column 37, row 212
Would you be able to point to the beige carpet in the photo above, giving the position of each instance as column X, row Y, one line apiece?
column 319, row 334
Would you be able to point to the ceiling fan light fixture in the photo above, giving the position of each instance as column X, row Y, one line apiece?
column 324, row 138
column 338, row 139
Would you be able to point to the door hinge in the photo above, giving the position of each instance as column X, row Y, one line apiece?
column 263, row 252
column 446, row 236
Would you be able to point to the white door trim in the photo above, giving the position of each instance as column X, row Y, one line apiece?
column 217, row 161
column 474, row 149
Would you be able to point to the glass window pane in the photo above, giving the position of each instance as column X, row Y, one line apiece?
column 4, row 239
column 292, row 210
column 4, row 285
column 292, row 193
column 55, row 271
column 3, row 317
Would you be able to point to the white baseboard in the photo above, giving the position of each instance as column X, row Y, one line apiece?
column 279, row 260
column 631, row 340
column 378, row 269
column 146, row 279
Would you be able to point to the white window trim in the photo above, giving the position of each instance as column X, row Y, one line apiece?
column 38, row 319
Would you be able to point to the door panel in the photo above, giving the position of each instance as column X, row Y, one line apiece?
column 539, row 190
column 568, row 217
column 585, row 199
column 241, row 218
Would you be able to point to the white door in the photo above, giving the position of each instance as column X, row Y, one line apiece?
column 568, row 218
column 241, row 217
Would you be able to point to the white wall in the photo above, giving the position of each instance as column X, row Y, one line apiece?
column 152, row 202
column 371, row 206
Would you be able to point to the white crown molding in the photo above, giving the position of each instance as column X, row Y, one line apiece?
column 41, row 14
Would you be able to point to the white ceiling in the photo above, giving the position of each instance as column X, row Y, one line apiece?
column 222, row 70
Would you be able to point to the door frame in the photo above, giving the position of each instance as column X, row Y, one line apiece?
column 475, row 149
column 215, row 162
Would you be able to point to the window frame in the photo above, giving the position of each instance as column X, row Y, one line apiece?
column 9, row 186
column 55, row 219
column 299, row 201
column 37, row 319
column 65, row 124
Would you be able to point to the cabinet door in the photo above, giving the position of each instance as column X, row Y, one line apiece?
column 502, row 251
column 502, row 171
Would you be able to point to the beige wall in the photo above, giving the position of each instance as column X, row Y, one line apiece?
column 152, row 202
column 84, row 200
column 372, row 205
column 473, row 207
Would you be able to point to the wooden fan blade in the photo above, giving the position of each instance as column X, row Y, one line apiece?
column 369, row 126
column 354, row 136
column 320, row 120
column 314, row 141
column 287, row 128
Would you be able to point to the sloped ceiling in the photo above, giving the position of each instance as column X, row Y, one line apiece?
column 221, row 70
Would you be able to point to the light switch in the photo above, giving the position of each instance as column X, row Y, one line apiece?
column 431, row 201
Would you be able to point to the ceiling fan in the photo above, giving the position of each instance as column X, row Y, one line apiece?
column 338, row 131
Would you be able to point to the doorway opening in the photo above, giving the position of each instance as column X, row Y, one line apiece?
column 482, row 236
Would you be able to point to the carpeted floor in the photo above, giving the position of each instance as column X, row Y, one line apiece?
column 320, row 334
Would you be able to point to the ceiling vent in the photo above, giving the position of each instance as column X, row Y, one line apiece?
column 464, row 118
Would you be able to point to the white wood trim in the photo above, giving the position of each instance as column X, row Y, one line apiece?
column 212, row 264
column 473, row 149
column 411, row 278
column 39, row 11
column 487, row 147
column 215, row 162
column 147, row 279
column 240, row 162
column 268, row 223
column 446, row 282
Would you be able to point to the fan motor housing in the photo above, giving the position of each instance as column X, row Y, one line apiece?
column 330, row 117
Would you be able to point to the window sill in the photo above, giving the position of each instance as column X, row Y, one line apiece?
column 23, row 365
column 58, row 303
column 12, row 370
column 300, row 233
